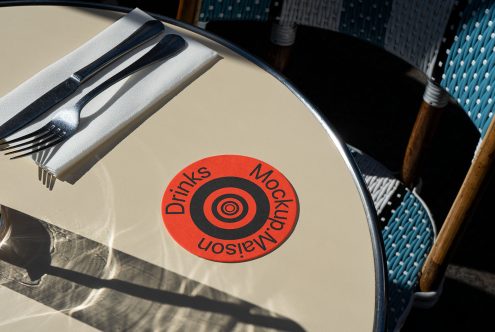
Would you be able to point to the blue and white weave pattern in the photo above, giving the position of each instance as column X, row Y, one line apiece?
column 235, row 10
column 416, row 31
column 410, row 29
column 469, row 70
column 321, row 14
column 408, row 233
column 366, row 20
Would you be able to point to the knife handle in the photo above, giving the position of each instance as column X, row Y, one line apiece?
column 146, row 32
column 167, row 48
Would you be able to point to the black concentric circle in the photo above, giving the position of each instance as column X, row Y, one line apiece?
column 244, row 208
column 259, row 219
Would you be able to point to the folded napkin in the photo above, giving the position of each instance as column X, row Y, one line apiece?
column 116, row 112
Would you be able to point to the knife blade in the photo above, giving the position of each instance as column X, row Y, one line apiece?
column 60, row 92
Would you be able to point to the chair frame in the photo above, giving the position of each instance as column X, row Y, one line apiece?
column 188, row 11
column 460, row 211
column 435, row 99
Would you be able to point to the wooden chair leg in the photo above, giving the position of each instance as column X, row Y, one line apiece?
column 434, row 100
column 459, row 212
column 279, row 56
column 188, row 11
column 282, row 37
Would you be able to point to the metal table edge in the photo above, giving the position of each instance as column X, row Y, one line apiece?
column 377, row 242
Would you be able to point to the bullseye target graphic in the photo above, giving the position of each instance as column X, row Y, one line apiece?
column 230, row 208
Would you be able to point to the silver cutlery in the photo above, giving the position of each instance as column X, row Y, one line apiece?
column 63, row 90
column 65, row 122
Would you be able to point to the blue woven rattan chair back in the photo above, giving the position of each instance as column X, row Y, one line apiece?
column 452, row 42
column 234, row 10
column 467, row 61
column 410, row 29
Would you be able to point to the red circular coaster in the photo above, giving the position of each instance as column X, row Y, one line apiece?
column 230, row 208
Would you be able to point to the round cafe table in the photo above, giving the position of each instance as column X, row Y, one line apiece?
column 102, row 253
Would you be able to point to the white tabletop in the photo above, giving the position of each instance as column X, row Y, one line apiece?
column 327, row 275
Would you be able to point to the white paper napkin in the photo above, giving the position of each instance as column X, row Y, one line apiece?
column 115, row 113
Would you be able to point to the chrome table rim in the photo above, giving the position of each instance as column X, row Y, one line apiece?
column 5, row 229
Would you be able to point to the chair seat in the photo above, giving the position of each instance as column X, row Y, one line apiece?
column 408, row 233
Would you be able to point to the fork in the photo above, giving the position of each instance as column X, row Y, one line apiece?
column 65, row 123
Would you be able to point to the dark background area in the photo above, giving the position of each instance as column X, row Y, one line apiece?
column 371, row 99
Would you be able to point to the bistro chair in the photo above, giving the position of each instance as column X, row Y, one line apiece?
column 410, row 30
column 453, row 43
column 200, row 12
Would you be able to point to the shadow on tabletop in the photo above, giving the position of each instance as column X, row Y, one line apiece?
column 86, row 279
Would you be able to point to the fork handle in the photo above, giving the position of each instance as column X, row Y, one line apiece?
column 168, row 47
column 145, row 33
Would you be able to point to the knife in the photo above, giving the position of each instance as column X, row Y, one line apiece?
column 60, row 92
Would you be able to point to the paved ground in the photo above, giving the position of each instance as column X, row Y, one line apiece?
column 371, row 99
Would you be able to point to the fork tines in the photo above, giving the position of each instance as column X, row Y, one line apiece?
column 43, row 138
